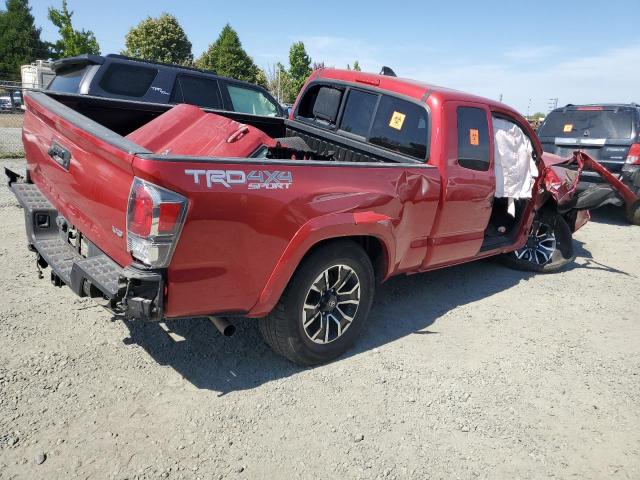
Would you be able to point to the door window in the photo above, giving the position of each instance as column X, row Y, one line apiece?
column 473, row 139
column 249, row 100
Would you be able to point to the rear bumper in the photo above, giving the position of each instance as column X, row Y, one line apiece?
column 133, row 291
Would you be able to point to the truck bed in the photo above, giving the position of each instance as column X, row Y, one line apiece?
column 241, row 242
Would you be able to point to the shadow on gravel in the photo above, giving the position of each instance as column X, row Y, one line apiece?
column 198, row 352
column 590, row 263
column 610, row 215
column 404, row 305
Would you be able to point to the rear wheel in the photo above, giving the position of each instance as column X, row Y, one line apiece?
column 324, row 306
column 549, row 247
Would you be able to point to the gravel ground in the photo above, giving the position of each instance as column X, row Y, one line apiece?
column 475, row 371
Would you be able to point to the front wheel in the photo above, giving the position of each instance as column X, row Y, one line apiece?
column 549, row 247
column 324, row 306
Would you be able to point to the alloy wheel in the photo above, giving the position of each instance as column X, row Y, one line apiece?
column 331, row 304
column 540, row 246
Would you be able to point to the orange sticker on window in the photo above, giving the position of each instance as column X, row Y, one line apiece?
column 397, row 119
column 474, row 137
column 567, row 128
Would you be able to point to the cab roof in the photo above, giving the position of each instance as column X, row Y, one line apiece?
column 403, row 86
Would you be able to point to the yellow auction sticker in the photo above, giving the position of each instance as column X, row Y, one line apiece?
column 474, row 137
column 567, row 128
column 397, row 119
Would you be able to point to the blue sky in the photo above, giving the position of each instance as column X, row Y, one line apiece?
column 576, row 51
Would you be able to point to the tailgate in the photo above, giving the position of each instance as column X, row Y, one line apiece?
column 83, row 169
column 610, row 153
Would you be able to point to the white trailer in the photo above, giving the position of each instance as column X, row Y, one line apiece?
column 38, row 75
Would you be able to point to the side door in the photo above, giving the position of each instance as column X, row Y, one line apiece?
column 468, row 184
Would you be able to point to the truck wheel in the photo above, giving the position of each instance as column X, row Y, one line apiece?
column 549, row 247
column 324, row 306
column 633, row 213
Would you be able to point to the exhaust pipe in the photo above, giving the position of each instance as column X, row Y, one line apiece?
column 224, row 327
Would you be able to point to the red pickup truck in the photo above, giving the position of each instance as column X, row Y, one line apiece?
column 170, row 212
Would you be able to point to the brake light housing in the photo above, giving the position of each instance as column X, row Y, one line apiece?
column 633, row 157
column 155, row 217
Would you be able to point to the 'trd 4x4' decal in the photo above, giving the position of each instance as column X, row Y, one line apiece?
column 254, row 180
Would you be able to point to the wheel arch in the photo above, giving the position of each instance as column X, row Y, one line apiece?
column 371, row 232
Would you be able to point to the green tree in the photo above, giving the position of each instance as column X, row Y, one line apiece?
column 356, row 66
column 227, row 57
column 19, row 39
column 299, row 65
column 279, row 83
column 261, row 78
column 159, row 39
column 72, row 42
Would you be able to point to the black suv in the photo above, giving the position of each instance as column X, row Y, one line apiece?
column 609, row 133
column 124, row 78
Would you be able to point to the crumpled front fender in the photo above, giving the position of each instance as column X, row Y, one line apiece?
column 560, row 180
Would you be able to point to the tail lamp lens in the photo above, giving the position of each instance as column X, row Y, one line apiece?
column 633, row 158
column 141, row 212
column 155, row 217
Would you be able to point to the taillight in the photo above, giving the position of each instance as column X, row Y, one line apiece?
column 140, row 210
column 154, row 220
column 633, row 158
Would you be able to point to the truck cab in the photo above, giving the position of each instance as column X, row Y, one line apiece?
column 360, row 117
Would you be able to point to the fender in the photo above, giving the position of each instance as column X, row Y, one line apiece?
column 325, row 227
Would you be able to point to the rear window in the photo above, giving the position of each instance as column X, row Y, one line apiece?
column 358, row 112
column 605, row 123
column 400, row 126
column 68, row 81
column 321, row 104
column 203, row 92
column 249, row 100
column 127, row 80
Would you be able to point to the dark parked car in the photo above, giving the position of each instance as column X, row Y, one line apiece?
column 124, row 78
column 609, row 133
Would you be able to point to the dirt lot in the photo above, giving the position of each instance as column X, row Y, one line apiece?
column 475, row 371
column 11, row 120
column 11, row 135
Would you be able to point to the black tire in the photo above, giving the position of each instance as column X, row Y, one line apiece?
column 633, row 213
column 283, row 328
column 562, row 255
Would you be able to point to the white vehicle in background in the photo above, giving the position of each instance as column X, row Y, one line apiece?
column 37, row 75
column 10, row 101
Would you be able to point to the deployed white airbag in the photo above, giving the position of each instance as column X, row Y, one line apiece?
column 515, row 169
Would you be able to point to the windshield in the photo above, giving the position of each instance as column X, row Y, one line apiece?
column 592, row 122
column 68, row 81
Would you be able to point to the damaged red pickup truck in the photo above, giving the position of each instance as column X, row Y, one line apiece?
column 179, row 212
